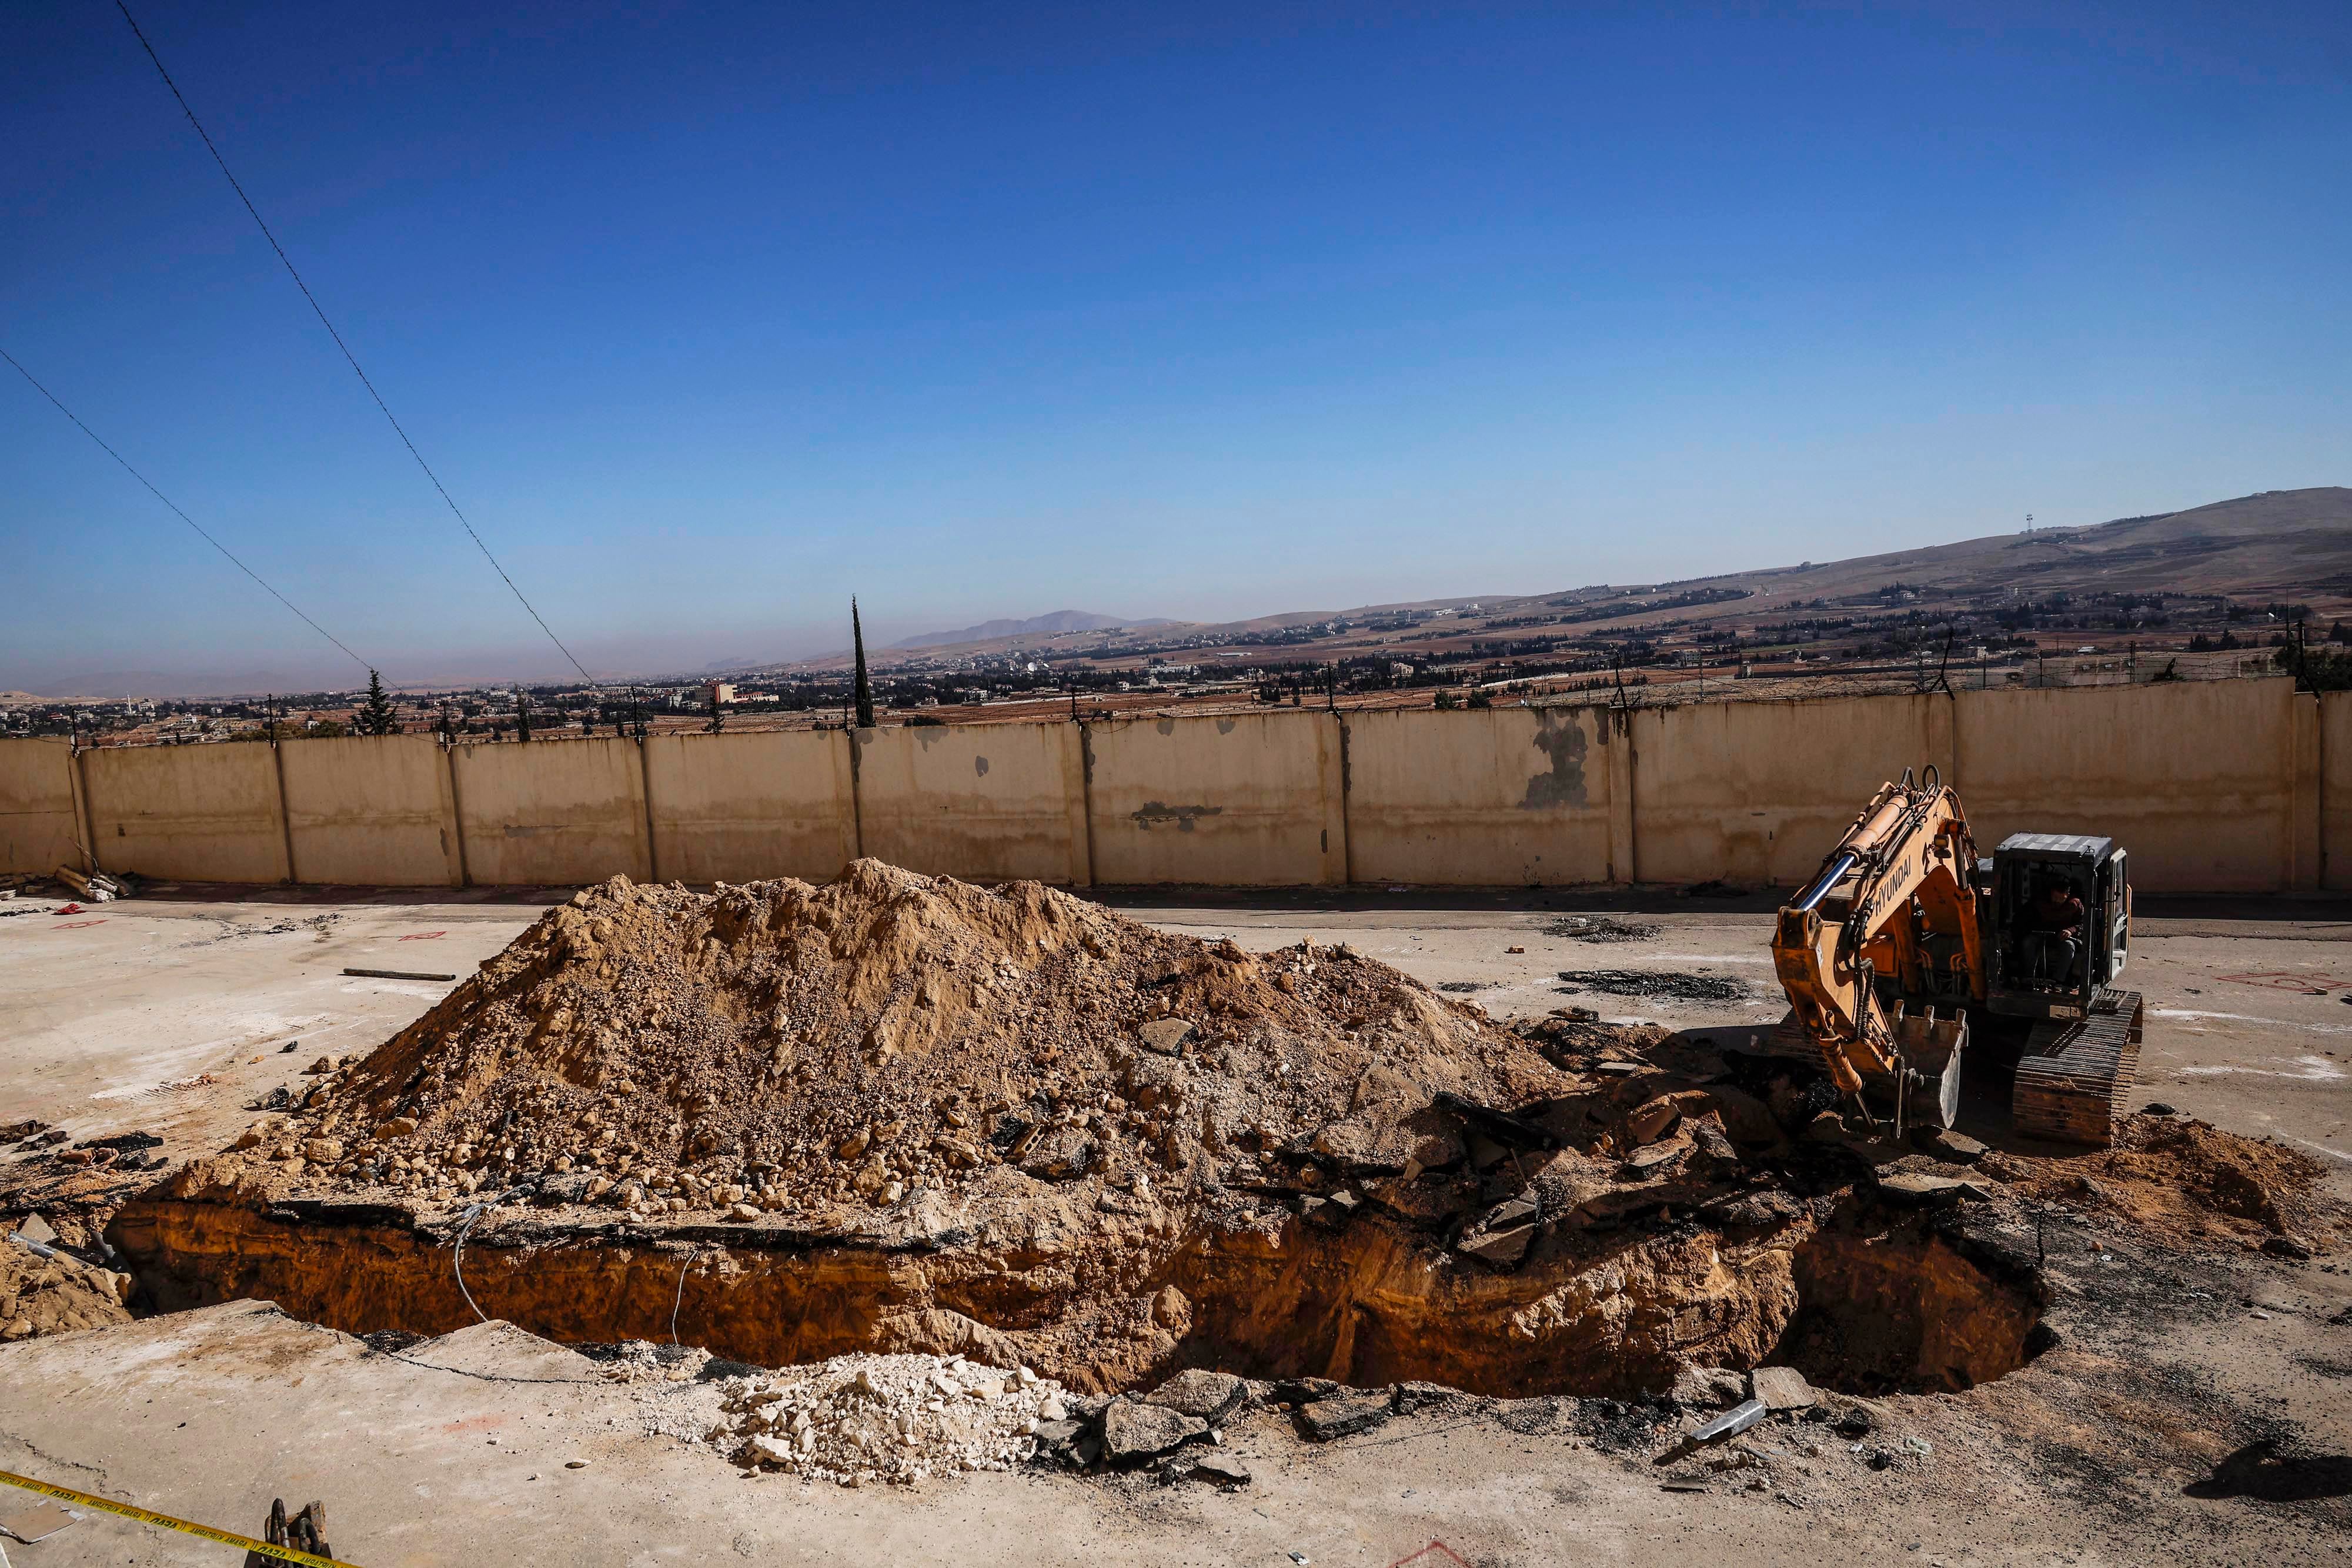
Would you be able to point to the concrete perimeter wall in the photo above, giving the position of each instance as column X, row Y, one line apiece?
column 1758, row 792
column 740, row 808
column 2196, row 780
column 187, row 813
column 1503, row 797
column 1251, row 800
column 373, row 812
column 39, row 828
column 553, row 811
column 2225, row 786
column 985, row 802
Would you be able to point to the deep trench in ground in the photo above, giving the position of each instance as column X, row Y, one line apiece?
column 1866, row 1298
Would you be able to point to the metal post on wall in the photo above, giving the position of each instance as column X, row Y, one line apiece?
column 457, row 814
column 646, row 789
column 284, row 815
column 77, row 785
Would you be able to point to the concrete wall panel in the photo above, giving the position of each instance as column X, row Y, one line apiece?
column 2335, row 791
column 740, row 807
column 2194, row 778
column 1253, row 800
column 984, row 802
column 1756, row 793
column 38, row 830
column 187, row 813
column 371, row 811
column 553, row 811
column 1500, row 796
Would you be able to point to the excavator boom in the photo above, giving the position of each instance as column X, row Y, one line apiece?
column 1894, row 902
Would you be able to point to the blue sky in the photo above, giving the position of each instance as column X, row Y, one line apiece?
column 712, row 316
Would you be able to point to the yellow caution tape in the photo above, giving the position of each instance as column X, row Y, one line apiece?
column 147, row 1516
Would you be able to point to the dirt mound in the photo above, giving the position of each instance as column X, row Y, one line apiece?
column 794, row 1047
column 900, row 1115
column 2184, row 1178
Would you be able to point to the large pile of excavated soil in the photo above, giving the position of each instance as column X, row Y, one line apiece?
column 797, row 1048
column 898, row 1114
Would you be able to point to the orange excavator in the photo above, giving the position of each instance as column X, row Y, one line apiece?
column 1906, row 938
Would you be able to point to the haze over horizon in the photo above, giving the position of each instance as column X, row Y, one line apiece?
column 710, row 320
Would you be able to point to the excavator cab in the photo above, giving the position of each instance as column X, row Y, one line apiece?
column 2033, row 972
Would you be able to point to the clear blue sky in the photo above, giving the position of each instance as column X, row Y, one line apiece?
column 712, row 315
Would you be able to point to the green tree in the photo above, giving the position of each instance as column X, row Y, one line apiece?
column 522, row 715
column 865, row 687
column 718, row 713
column 375, row 715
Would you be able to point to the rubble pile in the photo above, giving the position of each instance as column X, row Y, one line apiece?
column 857, row 1419
column 56, row 1292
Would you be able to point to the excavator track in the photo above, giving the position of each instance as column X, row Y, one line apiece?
column 2076, row 1074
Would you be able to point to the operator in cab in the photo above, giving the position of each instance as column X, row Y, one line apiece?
column 2054, row 933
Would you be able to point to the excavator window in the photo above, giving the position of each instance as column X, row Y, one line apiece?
column 2052, row 921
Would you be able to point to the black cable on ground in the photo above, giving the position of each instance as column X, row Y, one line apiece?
column 184, row 517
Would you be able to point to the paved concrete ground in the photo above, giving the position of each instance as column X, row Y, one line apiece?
column 113, row 1018
column 108, row 1010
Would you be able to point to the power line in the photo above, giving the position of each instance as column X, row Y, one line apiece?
column 351, row 357
column 184, row 517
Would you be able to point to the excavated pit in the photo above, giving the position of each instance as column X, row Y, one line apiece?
column 1369, row 1305
column 900, row 1115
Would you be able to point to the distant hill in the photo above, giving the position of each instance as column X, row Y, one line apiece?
column 1058, row 621
column 109, row 685
column 2274, row 545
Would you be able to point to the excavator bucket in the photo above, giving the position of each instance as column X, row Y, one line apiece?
column 1931, row 1049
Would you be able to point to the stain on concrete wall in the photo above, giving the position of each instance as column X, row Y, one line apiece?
column 1562, row 739
column 1154, row 814
column 1247, row 801
column 1487, row 797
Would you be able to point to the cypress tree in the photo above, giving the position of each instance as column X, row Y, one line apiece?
column 522, row 715
column 375, row 715
column 865, row 687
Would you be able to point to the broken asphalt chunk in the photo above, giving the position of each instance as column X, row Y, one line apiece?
column 1344, row 1416
column 1134, row 1432
column 1209, row 1397
column 1918, row 1186
column 1780, row 1387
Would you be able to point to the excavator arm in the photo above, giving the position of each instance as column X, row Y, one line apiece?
column 1887, row 903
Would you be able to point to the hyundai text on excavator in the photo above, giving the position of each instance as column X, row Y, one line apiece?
column 1906, row 939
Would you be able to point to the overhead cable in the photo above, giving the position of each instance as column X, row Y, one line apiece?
column 184, row 517
column 351, row 359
